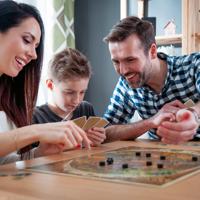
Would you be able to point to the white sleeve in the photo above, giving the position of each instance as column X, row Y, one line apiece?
column 6, row 125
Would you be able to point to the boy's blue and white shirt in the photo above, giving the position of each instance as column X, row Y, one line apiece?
column 182, row 82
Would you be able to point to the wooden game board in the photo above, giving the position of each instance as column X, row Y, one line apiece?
column 62, row 177
column 151, row 166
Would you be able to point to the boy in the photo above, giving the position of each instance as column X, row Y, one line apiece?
column 69, row 74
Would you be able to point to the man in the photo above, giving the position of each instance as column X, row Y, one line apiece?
column 154, row 84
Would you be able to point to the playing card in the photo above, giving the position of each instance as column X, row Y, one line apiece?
column 80, row 121
column 189, row 103
column 90, row 122
column 101, row 123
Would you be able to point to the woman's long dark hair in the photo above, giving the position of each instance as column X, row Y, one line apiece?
column 18, row 95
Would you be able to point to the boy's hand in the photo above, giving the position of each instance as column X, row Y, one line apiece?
column 96, row 135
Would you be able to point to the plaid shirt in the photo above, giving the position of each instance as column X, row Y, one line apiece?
column 182, row 83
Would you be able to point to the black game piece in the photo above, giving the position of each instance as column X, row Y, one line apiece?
column 109, row 161
column 162, row 157
column 194, row 158
column 148, row 155
column 102, row 163
column 137, row 153
column 160, row 165
column 125, row 166
column 148, row 163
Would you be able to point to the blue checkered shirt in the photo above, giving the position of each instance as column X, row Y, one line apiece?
column 182, row 83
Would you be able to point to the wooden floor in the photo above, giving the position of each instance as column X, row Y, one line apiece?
column 38, row 185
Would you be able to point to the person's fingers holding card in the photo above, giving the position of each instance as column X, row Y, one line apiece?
column 96, row 135
column 94, row 129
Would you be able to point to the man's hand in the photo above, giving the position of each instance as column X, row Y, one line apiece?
column 181, row 130
column 167, row 113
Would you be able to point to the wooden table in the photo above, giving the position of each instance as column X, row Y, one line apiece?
column 55, row 186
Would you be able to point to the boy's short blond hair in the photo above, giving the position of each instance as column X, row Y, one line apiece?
column 68, row 64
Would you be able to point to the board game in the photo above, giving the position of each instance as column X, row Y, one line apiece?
column 149, row 166
column 132, row 165
column 139, row 169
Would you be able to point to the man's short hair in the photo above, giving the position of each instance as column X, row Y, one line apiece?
column 133, row 25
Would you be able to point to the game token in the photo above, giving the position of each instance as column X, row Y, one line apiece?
column 148, row 163
column 137, row 153
column 102, row 163
column 194, row 158
column 160, row 165
column 162, row 157
column 148, row 155
column 110, row 161
column 124, row 166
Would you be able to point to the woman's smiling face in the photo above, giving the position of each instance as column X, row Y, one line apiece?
column 18, row 46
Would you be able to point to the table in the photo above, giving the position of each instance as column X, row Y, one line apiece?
column 55, row 186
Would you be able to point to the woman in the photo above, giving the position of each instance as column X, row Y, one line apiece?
column 21, row 54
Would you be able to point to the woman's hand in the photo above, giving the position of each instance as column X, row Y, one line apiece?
column 56, row 137
column 45, row 149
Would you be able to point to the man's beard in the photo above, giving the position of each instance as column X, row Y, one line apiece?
column 140, row 82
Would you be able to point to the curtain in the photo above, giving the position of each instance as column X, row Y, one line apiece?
column 63, row 28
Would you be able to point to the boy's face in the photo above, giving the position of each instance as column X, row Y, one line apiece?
column 67, row 95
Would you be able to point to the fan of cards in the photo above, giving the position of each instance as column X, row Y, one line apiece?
column 91, row 122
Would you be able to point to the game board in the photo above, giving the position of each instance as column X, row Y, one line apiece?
column 150, row 166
